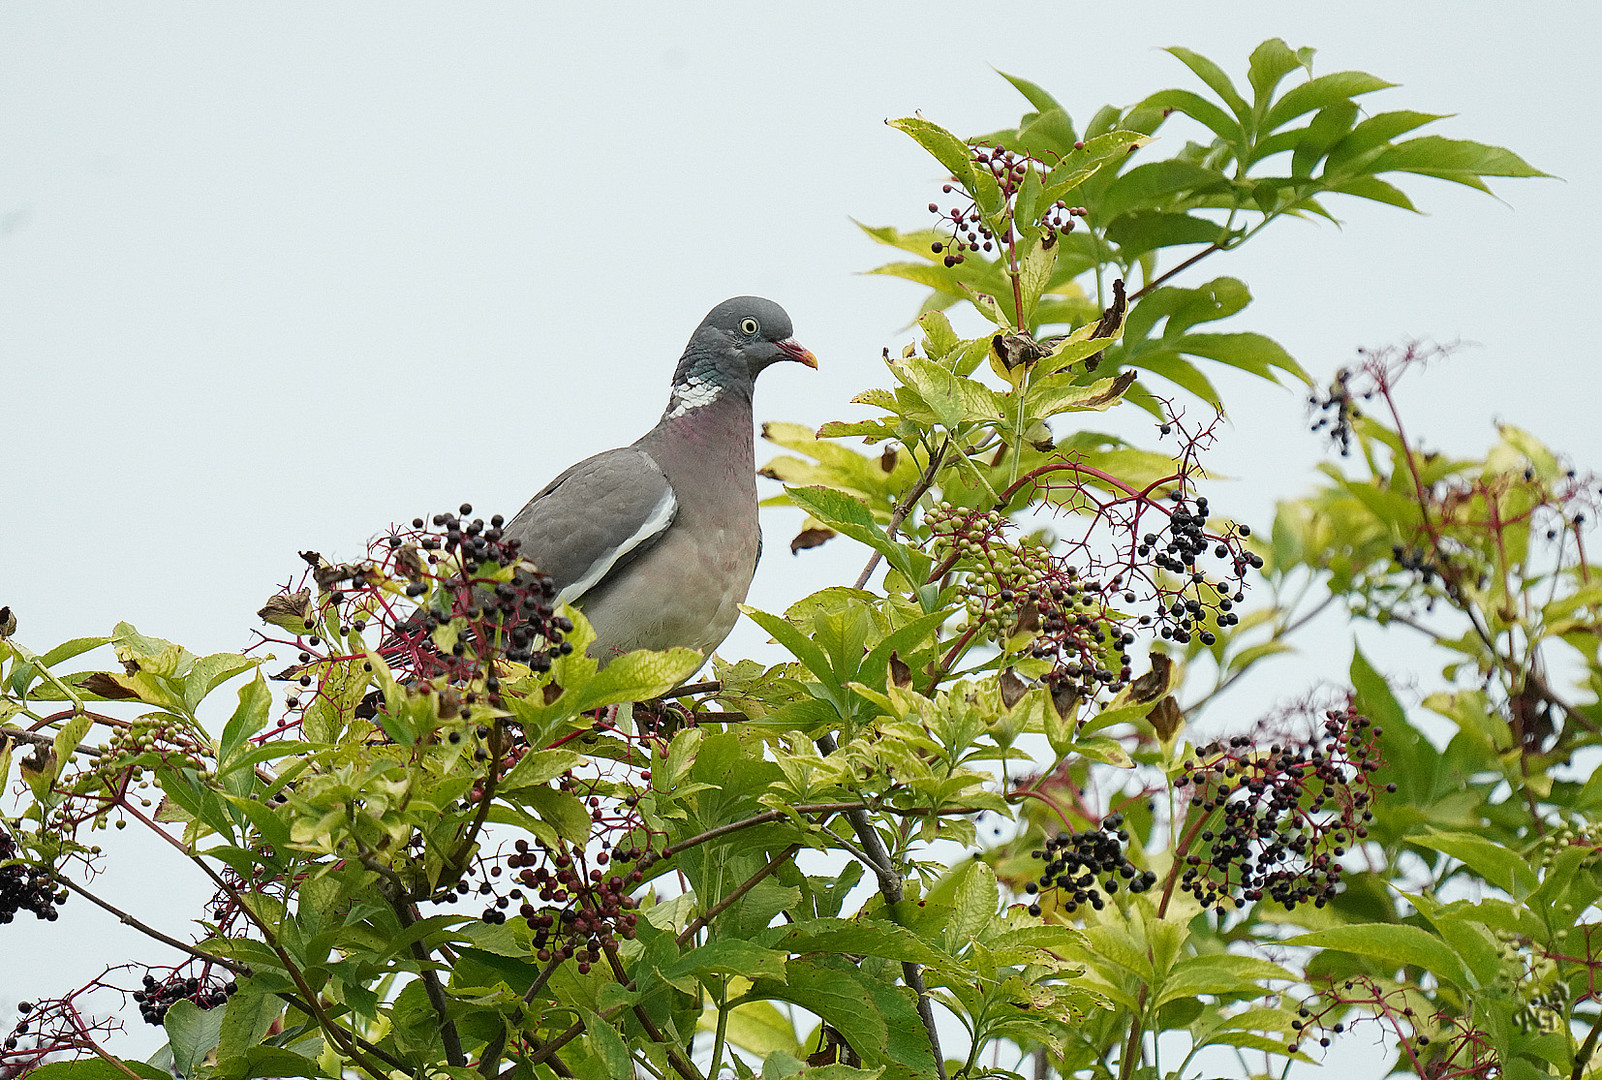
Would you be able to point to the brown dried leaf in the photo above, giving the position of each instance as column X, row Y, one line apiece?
column 1065, row 699
column 900, row 673
column 1013, row 688
column 292, row 611
column 107, row 685
column 1017, row 349
column 550, row 692
column 1154, row 683
column 811, row 538
column 1167, row 718
column 409, row 561
column 1112, row 320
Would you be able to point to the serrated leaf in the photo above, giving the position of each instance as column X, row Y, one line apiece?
column 250, row 716
column 635, row 676
column 946, row 148
column 192, row 1033
column 1504, row 868
column 1393, row 946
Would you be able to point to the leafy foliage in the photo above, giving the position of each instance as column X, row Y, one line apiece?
column 971, row 828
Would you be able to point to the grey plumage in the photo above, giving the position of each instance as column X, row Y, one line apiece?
column 657, row 542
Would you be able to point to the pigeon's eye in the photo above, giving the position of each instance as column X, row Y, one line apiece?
column 748, row 327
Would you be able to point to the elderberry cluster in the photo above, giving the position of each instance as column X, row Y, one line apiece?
column 514, row 620
column 1177, row 548
column 1077, row 862
column 575, row 914
column 157, row 996
column 1336, row 411
column 1078, row 619
column 470, row 613
column 26, row 888
column 970, row 232
column 1283, row 818
column 1416, row 561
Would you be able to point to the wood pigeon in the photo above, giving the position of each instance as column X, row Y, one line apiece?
column 657, row 542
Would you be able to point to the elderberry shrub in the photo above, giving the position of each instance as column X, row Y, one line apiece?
column 446, row 600
column 1076, row 863
column 24, row 887
column 1274, row 824
column 158, row 995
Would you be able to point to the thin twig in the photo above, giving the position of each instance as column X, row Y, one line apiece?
column 907, row 503
column 1215, row 246
column 45, row 741
column 733, row 898
column 150, row 931
column 431, row 985
column 890, row 887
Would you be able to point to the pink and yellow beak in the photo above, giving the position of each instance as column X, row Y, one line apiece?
column 797, row 352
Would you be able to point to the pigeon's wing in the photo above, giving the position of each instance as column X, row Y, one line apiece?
column 593, row 516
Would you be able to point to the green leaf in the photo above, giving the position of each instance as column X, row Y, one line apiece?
column 851, row 517
column 565, row 813
column 1041, row 100
column 1220, row 973
column 608, row 1045
column 192, row 1032
column 1270, row 62
column 211, row 672
column 95, row 1068
column 1250, row 352
column 1143, row 187
column 955, row 155
column 246, row 1019
column 728, row 957
column 1147, row 230
column 1323, row 132
column 877, row 1018
column 635, row 676
column 1213, row 75
column 1375, row 132
column 1505, row 869
column 862, row 937
column 1369, row 187
column 539, row 767
column 249, row 717
column 1199, row 109
column 264, row 1061
column 1437, row 156
column 68, row 738
column 1393, row 946
column 1321, row 93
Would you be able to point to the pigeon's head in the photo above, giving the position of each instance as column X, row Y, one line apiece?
column 731, row 347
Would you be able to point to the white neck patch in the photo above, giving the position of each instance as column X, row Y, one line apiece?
column 693, row 393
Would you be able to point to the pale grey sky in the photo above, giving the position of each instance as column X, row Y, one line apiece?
column 266, row 270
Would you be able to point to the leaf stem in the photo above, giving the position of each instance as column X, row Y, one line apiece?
column 900, row 513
